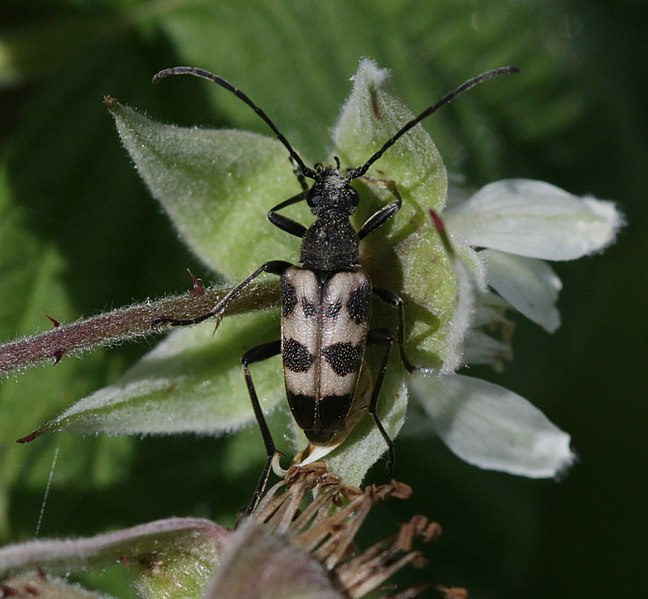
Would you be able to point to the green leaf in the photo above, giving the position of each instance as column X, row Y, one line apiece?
column 373, row 114
column 31, row 270
column 215, row 185
column 191, row 382
column 58, row 39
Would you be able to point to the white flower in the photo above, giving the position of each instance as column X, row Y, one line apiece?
column 503, row 232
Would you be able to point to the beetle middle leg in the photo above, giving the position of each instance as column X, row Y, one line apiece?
column 258, row 354
column 276, row 267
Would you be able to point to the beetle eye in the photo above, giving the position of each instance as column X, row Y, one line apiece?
column 314, row 198
column 354, row 197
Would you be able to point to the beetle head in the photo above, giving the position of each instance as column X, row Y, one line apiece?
column 331, row 192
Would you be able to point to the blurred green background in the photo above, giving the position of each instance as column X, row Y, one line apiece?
column 79, row 234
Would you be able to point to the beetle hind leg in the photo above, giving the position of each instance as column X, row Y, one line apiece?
column 258, row 354
column 395, row 301
column 382, row 337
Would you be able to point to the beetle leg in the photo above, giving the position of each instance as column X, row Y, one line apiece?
column 383, row 337
column 283, row 222
column 298, row 173
column 385, row 213
column 275, row 267
column 395, row 301
column 257, row 354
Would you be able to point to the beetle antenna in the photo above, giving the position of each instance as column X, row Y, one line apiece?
column 196, row 72
column 361, row 170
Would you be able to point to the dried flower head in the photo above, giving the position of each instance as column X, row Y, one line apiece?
column 304, row 542
column 298, row 543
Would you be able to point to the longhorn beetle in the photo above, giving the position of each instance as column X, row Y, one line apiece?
column 326, row 300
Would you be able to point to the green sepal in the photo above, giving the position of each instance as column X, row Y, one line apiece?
column 191, row 382
column 166, row 558
column 216, row 187
column 406, row 255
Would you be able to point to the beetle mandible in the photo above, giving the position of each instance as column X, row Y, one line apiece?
column 326, row 300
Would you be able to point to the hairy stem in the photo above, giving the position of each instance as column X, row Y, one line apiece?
column 125, row 324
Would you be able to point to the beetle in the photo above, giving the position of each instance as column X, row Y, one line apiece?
column 326, row 300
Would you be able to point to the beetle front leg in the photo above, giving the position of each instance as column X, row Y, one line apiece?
column 283, row 222
column 384, row 214
column 257, row 354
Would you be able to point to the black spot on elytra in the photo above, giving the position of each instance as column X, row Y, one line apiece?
column 296, row 356
column 358, row 304
column 308, row 308
column 302, row 408
column 332, row 309
column 333, row 410
column 288, row 297
column 321, row 418
column 344, row 358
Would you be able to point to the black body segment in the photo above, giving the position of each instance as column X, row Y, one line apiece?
column 328, row 322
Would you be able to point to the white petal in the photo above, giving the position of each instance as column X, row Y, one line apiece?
column 490, row 310
column 483, row 349
column 534, row 219
column 491, row 427
column 529, row 285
